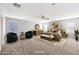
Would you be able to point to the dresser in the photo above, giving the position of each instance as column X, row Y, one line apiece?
column 37, row 32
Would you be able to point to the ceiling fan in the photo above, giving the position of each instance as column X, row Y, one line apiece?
column 43, row 17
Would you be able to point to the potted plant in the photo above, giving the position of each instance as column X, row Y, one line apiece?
column 76, row 34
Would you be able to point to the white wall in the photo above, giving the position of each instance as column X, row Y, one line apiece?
column 0, row 34
column 26, row 25
column 22, row 25
column 70, row 25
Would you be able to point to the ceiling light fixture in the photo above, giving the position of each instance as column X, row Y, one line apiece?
column 53, row 4
column 17, row 5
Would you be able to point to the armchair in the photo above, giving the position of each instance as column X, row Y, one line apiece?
column 11, row 37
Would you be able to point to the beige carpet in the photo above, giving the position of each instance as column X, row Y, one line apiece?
column 37, row 46
column 60, row 44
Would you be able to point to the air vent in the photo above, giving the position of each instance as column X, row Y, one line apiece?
column 17, row 5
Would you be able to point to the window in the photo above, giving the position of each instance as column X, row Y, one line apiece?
column 12, row 27
column 70, row 24
column 45, row 27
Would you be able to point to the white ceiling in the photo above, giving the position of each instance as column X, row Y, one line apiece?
column 34, row 11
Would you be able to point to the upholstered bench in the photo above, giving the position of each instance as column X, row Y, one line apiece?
column 47, row 37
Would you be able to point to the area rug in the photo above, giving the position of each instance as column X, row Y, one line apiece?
column 61, row 43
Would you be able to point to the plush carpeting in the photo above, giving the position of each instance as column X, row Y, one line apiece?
column 37, row 46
